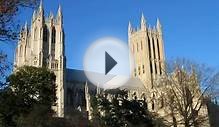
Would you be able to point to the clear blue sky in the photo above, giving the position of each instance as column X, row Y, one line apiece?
column 190, row 27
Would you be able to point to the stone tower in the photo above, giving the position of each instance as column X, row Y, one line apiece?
column 42, row 45
column 146, row 46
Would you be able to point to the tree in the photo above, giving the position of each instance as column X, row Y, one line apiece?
column 113, row 108
column 8, row 111
column 29, row 89
column 184, row 91
column 9, row 27
column 8, row 10
column 4, row 66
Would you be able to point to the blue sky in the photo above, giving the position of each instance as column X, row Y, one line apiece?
column 190, row 27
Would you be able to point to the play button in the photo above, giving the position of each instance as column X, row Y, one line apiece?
column 108, row 63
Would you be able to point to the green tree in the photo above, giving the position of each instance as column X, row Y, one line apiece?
column 30, row 94
column 8, row 111
column 113, row 108
column 4, row 66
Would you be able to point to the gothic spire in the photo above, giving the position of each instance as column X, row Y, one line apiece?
column 41, row 4
column 60, row 10
column 59, row 14
column 51, row 17
column 25, row 26
column 40, row 14
column 142, row 18
column 159, row 27
column 41, row 10
column 34, row 15
column 143, row 22
column 129, row 27
column 21, row 31
column 158, row 23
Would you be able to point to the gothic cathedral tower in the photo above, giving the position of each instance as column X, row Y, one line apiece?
column 43, row 46
column 146, row 46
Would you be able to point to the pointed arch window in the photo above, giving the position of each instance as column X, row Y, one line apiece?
column 35, row 61
column 137, row 46
column 143, row 69
column 149, row 47
column 35, row 33
column 141, row 46
column 152, row 105
column 155, row 65
column 60, row 36
column 45, row 34
column 151, row 67
column 21, row 50
column 53, row 35
column 158, row 49
column 135, row 72
column 53, row 39
column 56, row 64
column 45, row 45
column 159, row 56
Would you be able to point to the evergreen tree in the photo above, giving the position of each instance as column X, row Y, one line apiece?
column 113, row 109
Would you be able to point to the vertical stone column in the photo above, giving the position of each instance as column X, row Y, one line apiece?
column 152, row 54
column 156, row 53
column 161, row 45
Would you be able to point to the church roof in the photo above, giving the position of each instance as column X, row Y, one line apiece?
column 133, row 83
column 73, row 75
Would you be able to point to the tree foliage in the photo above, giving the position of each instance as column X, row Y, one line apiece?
column 8, row 10
column 4, row 66
column 114, row 109
column 30, row 95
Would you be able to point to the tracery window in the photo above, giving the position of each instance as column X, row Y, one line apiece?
column 35, row 33
column 53, row 35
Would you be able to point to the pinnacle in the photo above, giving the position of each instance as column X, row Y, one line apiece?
column 26, row 25
column 41, row 3
column 158, row 22
column 142, row 18
column 129, row 26
column 60, row 10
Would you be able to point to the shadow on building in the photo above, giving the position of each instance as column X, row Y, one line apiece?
column 213, row 110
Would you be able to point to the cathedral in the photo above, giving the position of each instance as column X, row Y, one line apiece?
column 43, row 45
